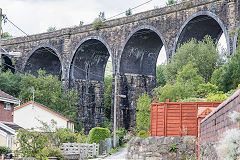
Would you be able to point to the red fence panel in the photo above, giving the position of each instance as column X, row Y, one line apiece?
column 177, row 119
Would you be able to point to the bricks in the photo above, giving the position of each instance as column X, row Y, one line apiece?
column 6, row 115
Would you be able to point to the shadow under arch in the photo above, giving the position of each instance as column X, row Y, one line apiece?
column 137, row 69
column 86, row 75
column 198, row 25
column 44, row 57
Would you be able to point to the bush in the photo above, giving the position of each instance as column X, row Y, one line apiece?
column 143, row 114
column 82, row 138
column 54, row 152
column 97, row 23
column 98, row 134
column 219, row 96
column 5, row 150
column 143, row 134
column 121, row 132
column 206, row 88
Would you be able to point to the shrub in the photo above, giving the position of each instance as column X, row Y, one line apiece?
column 54, row 152
column 219, row 96
column 98, row 134
column 143, row 113
column 206, row 88
column 143, row 134
column 5, row 150
column 121, row 132
column 97, row 23
column 82, row 138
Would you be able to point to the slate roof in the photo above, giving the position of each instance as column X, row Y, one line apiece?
column 8, row 98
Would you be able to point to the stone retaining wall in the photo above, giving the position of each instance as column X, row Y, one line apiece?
column 162, row 148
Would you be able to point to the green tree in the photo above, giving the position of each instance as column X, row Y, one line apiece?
column 206, row 88
column 160, row 78
column 10, row 83
column 228, row 77
column 128, row 12
column 51, row 29
column 107, row 96
column 48, row 91
column 202, row 54
column 6, row 35
column 143, row 112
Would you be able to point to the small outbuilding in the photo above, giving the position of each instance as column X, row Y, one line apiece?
column 31, row 115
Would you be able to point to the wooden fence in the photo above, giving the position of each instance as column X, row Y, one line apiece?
column 80, row 150
column 177, row 119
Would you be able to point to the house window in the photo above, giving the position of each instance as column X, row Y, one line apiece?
column 7, row 106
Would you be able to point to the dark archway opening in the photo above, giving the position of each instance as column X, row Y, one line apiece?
column 7, row 64
column 46, row 59
column 87, row 78
column 198, row 28
column 137, row 72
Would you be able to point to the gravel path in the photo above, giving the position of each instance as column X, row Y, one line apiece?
column 120, row 155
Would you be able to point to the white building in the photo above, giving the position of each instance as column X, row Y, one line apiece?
column 30, row 116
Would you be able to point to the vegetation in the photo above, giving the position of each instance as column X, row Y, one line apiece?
column 143, row 134
column 98, row 134
column 107, row 96
column 128, row 12
column 143, row 112
column 51, row 29
column 160, row 78
column 5, row 35
column 4, row 150
column 121, row 132
column 97, row 23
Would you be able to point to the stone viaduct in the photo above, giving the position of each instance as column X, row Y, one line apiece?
column 79, row 55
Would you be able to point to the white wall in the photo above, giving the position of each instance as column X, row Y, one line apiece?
column 28, row 117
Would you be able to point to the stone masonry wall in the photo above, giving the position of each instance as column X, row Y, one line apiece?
column 162, row 148
column 217, row 123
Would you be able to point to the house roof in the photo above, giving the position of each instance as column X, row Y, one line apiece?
column 12, row 125
column 9, row 128
column 46, row 109
column 8, row 98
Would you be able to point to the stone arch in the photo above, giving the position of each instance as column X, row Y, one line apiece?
column 143, row 27
column 137, row 69
column 44, row 57
column 82, row 42
column 86, row 76
column 236, row 36
column 209, row 17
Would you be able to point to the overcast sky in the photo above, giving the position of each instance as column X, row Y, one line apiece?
column 36, row 16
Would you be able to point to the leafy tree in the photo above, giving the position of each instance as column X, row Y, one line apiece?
column 206, row 88
column 228, row 77
column 9, row 83
column 202, row 54
column 6, row 35
column 160, row 78
column 48, row 91
column 51, row 29
column 143, row 112
column 219, row 96
column 107, row 96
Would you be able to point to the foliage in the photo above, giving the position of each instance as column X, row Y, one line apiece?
column 234, row 116
column 205, row 89
column 160, row 78
column 107, row 123
column 101, row 16
column 82, row 137
column 192, row 99
column 121, row 132
column 228, row 77
column 58, row 136
column 5, row 150
column 9, row 83
column 231, row 92
column 228, row 145
column 113, row 150
column 171, row 2
column 172, row 148
column 143, row 134
column 81, row 23
column 185, row 86
column 31, row 144
column 97, row 23
column 128, row 12
column 51, row 29
column 107, row 96
column 54, row 152
column 6, row 35
column 98, row 134
column 219, row 96
column 48, row 91
column 202, row 54
column 143, row 113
